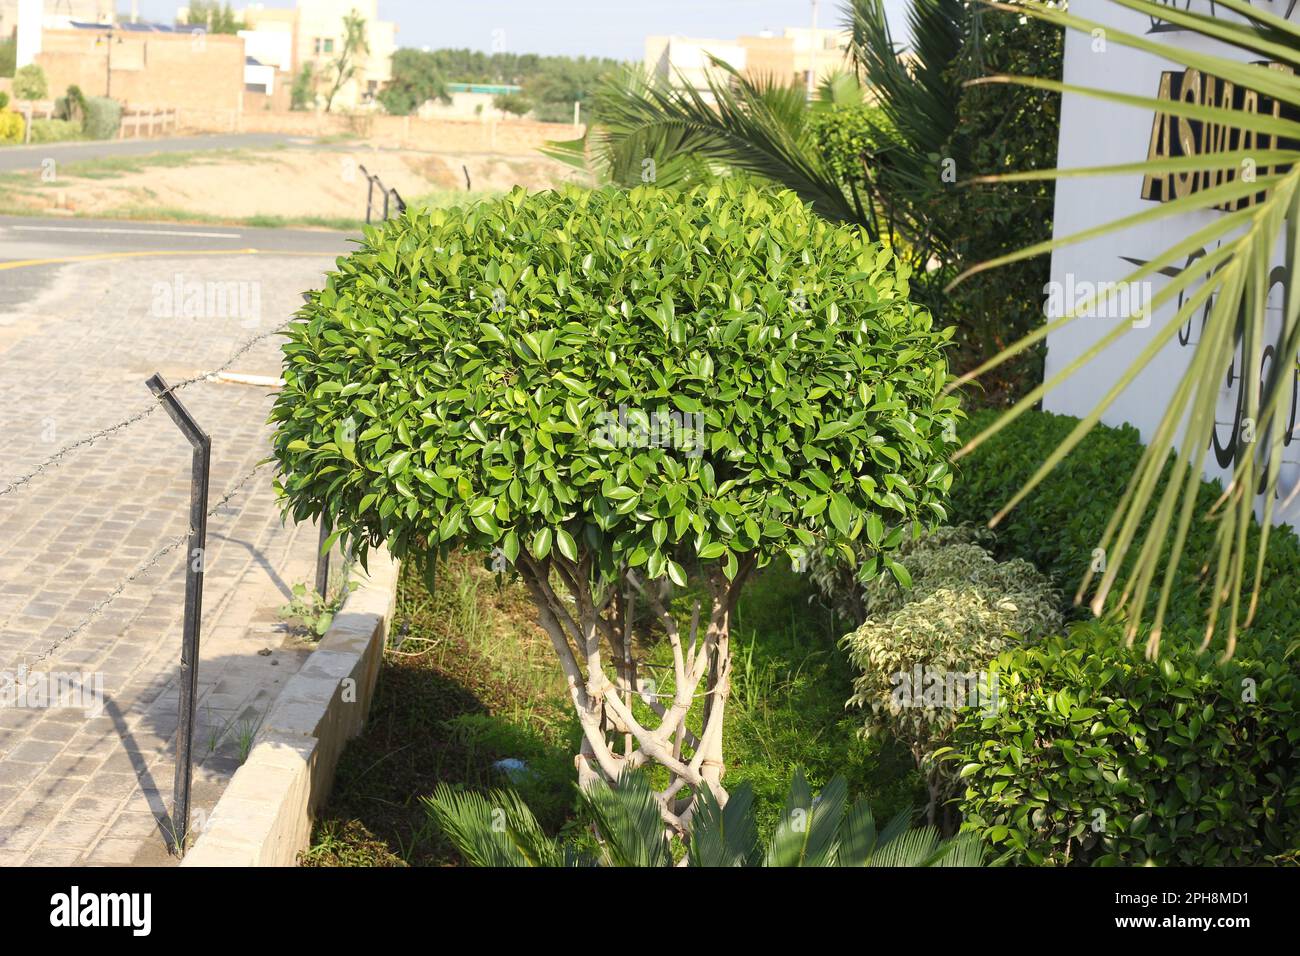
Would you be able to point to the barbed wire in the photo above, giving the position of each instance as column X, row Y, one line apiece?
column 144, row 413
column 146, row 565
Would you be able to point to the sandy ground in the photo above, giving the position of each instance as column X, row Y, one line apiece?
column 294, row 184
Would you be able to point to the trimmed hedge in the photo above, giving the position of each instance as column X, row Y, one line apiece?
column 486, row 376
column 1100, row 756
column 1060, row 523
column 103, row 118
column 54, row 130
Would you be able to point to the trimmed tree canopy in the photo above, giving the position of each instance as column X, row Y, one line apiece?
column 650, row 378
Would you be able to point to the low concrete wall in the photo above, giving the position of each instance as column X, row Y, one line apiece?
column 265, row 816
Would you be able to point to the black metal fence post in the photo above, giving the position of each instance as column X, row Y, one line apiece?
column 195, row 558
column 373, row 180
column 370, row 191
column 323, row 561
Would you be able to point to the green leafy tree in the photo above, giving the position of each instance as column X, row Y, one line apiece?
column 417, row 78
column 514, row 103
column 29, row 83
column 303, row 92
column 611, row 392
column 500, row 830
column 354, row 49
column 213, row 16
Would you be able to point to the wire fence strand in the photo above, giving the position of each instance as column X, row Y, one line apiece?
column 144, row 413
column 146, row 565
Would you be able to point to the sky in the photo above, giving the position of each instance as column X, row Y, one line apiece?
column 612, row 28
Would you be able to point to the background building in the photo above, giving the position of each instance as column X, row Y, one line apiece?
column 313, row 33
column 798, row 55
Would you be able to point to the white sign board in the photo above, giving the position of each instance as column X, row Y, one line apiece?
column 1095, row 132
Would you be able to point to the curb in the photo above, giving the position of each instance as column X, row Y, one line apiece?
column 265, row 816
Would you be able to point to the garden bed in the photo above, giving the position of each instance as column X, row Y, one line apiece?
column 475, row 682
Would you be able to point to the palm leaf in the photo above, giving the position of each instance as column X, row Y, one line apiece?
column 725, row 836
column 496, row 830
column 1148, row 532
column 627, row 819
column 808, row 831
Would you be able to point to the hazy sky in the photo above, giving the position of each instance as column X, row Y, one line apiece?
column 615, row 28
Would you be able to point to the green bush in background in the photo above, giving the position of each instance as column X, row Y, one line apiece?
column 8, row 56
column 1099, row 756
column 103, row 117
column 29, row 83
column 922, row 652
column 54, row 130
column 1059, row 525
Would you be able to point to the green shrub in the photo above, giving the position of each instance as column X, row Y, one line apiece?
column 72, row 105
column 12, row 127
column 4, row 100
column 487, row 374
column 103, row 117
column 1061, row 522
column 922, row 651
column 54, row 130
column 29, row 83
column 515, row 104
column 1100, row 756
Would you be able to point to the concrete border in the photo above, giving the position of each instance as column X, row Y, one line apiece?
column 265, row 816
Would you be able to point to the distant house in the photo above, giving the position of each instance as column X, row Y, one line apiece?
column 800, row 55
column 312, row 33
column 258, row 77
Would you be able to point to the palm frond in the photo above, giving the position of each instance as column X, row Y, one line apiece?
column 496, row 830
column 725, row 836
column 808, row 831
column 1148, row 532
column 626, row 816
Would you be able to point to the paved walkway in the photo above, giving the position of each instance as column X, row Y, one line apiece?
column 82, row 587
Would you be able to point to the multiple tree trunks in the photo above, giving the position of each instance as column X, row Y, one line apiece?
column 590, row 627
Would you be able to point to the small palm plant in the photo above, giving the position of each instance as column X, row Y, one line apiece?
column 499, row 830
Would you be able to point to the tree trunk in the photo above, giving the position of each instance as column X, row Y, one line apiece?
column 596, row 620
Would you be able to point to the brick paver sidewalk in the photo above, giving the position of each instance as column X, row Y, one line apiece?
column 78, row 787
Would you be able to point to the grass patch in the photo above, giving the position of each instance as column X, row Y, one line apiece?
column 475, row 681
column 472, row 682
column 173, row 214
column 447, row 198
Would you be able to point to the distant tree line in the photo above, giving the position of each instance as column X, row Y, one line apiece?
column 550, row 84
column 213, row 16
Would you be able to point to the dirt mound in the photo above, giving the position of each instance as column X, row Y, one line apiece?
column 289, row 184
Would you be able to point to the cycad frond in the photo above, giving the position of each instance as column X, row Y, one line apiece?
column 725, row 836
column 496, row 830
column 626, row 816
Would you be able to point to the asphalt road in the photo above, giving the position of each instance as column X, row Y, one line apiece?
column 32, row 240
column 18, row 158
